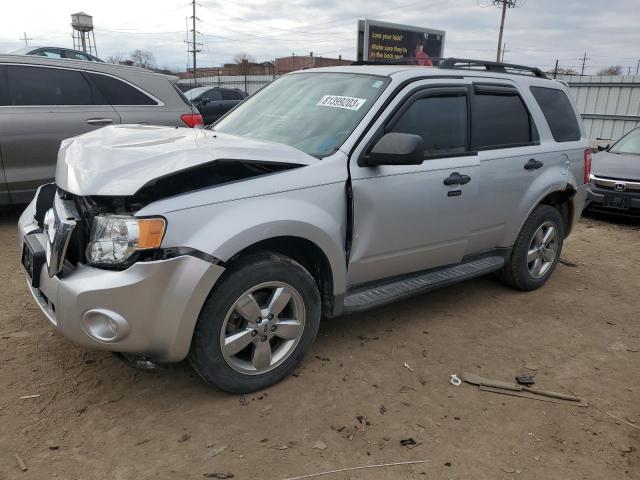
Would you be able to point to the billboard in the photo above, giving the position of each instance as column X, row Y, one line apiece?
column 381, row 41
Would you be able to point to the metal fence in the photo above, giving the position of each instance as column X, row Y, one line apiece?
column 249, row 83
column 609, row 105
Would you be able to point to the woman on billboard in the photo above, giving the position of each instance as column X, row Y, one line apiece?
column 420, row 56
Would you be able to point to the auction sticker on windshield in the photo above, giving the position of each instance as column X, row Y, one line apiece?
column 336, row 101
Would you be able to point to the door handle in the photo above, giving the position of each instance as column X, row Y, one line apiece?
column 533, row 164
column 100, row 121
column 456, row 179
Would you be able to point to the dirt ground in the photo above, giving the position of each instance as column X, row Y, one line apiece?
column 353, row 400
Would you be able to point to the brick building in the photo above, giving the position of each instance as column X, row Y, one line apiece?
column 297, row 62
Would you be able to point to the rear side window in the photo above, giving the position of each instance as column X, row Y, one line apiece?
column 117, row 92
column 4, row 86
column 47, row 86
column 500, row 120
column 212, row 95
column 441, row 121
column 559, row 113
column 231, row 95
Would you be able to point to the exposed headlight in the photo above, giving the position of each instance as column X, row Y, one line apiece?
column 115, row 238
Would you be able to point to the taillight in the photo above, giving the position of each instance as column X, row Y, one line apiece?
column 587, row 164
column 193, row 120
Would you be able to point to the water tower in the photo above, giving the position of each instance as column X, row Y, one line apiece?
column 83, row 36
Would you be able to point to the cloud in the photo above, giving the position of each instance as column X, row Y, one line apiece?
column 538, row 33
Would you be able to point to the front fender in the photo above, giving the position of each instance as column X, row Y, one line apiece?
column 224, row 229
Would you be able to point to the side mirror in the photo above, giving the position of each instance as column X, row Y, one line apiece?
column 395, row 149
column 603, row 148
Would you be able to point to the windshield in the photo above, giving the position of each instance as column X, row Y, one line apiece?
column 630, row 143
column 194, row 92
column 313, row 112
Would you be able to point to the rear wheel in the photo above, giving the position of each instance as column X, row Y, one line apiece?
column 257, row 324
column 536, row 250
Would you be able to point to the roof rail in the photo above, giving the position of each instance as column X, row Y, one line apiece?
column 466, row 63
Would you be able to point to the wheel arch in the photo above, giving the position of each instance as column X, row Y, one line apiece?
column 559, row 196
column 306, row 253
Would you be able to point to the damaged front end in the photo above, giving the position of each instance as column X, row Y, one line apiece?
column 109, row 235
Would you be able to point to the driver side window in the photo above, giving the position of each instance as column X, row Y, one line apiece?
column 441, row 121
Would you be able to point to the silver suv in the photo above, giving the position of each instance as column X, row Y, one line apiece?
column 43, row 101
column 329, row 192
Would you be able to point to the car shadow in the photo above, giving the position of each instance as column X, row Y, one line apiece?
column 612, row 217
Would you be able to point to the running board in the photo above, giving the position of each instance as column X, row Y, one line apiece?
column 367, row 297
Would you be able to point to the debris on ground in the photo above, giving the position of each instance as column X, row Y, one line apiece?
column 21, row 464
column 218, row 450
column 408, row 442
column 320, row 445
column 219, row 475
column 525, row 380
column 184, row 437
column 406, row 365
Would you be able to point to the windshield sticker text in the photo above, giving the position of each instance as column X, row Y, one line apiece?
column 336, row 101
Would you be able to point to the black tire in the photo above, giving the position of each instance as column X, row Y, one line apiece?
column 516, row 271
column 206, row 356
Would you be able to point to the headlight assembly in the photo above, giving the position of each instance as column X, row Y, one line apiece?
column 115, row 238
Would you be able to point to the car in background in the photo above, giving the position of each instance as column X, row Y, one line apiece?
column 214, row 102
column 44, row 101
column 57, row 52
column 614, row 183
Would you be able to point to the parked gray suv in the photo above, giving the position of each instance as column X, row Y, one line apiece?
column 43, row 101
column 331, row 191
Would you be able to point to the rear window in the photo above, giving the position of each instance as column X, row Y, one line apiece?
column 47, row 86
column 559, row 113
column 117, row 92
column 500, row 120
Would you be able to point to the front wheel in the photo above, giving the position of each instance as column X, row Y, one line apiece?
column 536, row 250
column 257, row 324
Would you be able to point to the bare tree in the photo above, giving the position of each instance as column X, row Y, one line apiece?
column 610, row 71
column 117, row 59
column 563, row 71
column 244, row 61
column 143, row 58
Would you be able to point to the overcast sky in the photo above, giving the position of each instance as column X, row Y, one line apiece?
column 537, row 33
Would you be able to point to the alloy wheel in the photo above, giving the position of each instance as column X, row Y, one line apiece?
column 262, row 328
column 543, row 249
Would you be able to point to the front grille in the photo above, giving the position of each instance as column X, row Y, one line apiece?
column 608, row 183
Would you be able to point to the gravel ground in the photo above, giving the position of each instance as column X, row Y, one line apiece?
column 372, row 380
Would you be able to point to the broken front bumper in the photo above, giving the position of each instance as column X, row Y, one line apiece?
column 151, row 308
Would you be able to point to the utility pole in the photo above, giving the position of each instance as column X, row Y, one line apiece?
column 194, row 45
column 584, row 60
column 504, row 49
column 505, row 4
column 638, row 67
column 555, row 70
column 25, row 39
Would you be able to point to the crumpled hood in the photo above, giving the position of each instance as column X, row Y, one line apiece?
column 616, row 165
column 120, row 159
